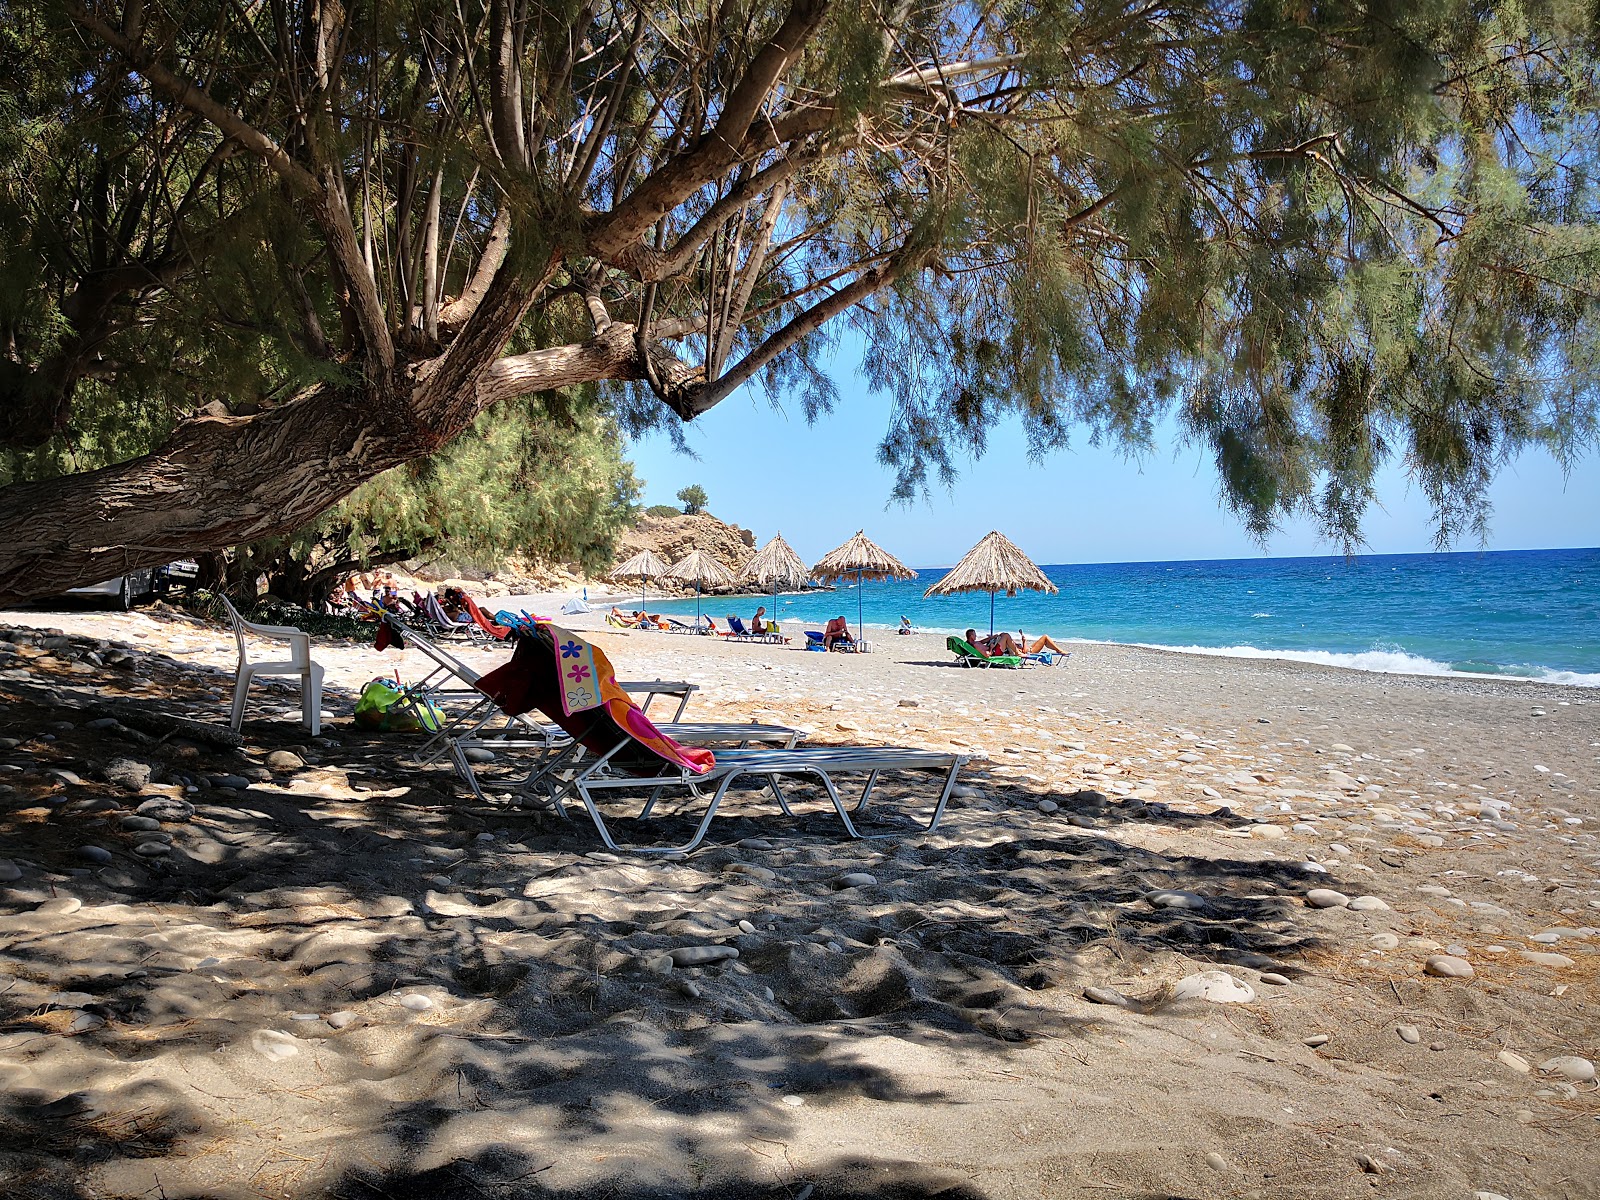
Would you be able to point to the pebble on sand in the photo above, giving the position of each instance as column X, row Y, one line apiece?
column 61, row 906
column 1448, row 966
column 1579, row 1070
column 1100, row 995
column 1368, row 904
column 1326, row 898
column 1176, row 899
column 284, row 760
column 416, row 1002
column 9, row 871
column 1544, row 958
column 275, row 1044
column 854, row 879
column 700, row 956
column 95, row 854
column 1510, row 1058
column 1216, row 986
column 1409, row 1034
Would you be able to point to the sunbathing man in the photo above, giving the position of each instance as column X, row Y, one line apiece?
column 1040, row 644
column 835, row 633
column 996, row 645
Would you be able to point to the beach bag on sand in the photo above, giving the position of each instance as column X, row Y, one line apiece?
column 389, row 708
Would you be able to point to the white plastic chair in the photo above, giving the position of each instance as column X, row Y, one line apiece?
column 300, row 664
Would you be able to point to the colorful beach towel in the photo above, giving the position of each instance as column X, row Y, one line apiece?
column 585, row 681
column 498, row 632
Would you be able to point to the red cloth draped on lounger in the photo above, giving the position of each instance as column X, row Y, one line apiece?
column 499, row 632
column 573, row 684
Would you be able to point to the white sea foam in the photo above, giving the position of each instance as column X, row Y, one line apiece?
column 1389, row 662
column 1260, row 614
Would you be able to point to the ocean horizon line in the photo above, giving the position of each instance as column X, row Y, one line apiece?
column 1288, row 558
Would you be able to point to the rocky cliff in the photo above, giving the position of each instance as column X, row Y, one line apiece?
column 673, row 537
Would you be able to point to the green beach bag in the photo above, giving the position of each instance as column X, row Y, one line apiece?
column 380, row 707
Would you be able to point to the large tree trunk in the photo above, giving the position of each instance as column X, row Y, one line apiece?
column 219, row 481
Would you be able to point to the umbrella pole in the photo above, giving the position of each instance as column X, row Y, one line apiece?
column 861, row 625
column 697, row 604
column 991, row 612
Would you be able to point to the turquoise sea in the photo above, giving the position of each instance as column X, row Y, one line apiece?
column 1525, row 613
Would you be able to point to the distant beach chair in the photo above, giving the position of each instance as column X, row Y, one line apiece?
column 970, row 657
column 570, row 681
column 299, row 663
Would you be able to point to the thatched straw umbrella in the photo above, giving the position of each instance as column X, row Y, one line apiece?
column 641, row 567
column 865, row 559
column 775, row 565
column 993, row 565
column 700, row 568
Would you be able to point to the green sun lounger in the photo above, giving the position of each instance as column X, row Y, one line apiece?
column 971, row 658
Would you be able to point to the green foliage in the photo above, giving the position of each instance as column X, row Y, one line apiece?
column 525, row 480
column 663, row 510
column 693, row 498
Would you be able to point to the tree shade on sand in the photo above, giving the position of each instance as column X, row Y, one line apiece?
column 865, row 559
column 995, row 564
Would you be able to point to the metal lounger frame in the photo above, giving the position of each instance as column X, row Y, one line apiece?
column 556, row 752
column 819, row 762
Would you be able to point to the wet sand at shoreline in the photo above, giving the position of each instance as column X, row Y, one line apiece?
column 346, row 978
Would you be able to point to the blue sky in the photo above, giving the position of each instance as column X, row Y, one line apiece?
column 772, row 472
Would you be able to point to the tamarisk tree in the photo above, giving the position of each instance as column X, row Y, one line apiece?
column 257, row 253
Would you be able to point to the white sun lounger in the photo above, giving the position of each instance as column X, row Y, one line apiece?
column 592, row 781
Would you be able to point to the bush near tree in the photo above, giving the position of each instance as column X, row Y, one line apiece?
column 693, row 499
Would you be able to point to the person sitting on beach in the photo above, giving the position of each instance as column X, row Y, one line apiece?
column 996, row 645
column 1040, row 644
column 758, row 623
column 905, row 625
column 836, row 633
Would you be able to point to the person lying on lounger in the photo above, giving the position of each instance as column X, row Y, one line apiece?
column 996, row 645
column 905, row 625
column 1039, row 645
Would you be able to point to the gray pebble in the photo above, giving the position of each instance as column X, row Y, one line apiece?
column 1316, row 1039
column 1274, row 978
column 304, row 1017
column 340, row 1019
column 1048, row 806
column 284, row 760
column 1368, row 904
column 166, row 808
column 699, row 956
column 1570, row 1066
column 661, row 964
column 689, row 988
column 1215, row 1161
column 96, row 854
column 61, row 906
column 140, row 823
column 1100, row 995
column 477, row 754
column 853, row 880
column 416, row 1002
column 1409, row 1034
column 746, row 927
column 84, row 1022
column 152, row 849
column 275, row 1044
column 1176, row 899
column 237, row 782
column 128, row 773
column 1326, row 898
column 1448, row 966
column 9, row 871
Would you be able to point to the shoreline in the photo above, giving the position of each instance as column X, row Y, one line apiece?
column 1584, row 681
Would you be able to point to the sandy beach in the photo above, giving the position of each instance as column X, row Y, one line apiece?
column 1193, row 926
